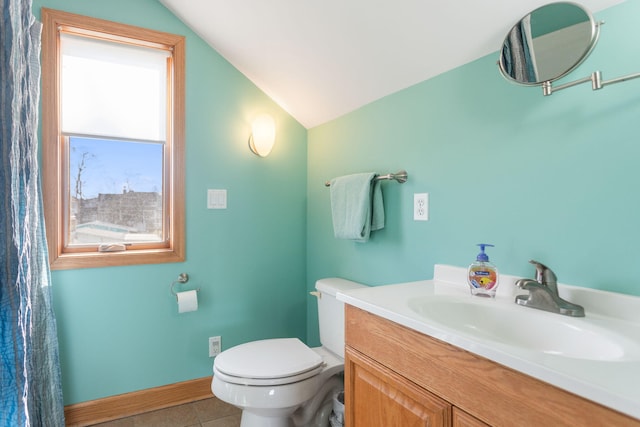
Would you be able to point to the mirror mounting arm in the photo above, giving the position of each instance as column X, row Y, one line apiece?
column 596, row 82
column 595, row 79
column 620, row 79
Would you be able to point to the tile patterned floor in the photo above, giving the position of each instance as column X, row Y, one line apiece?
column 204, row 413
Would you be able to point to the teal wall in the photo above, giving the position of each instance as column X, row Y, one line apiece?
column 550, row 178
column 547, row 178
column 119, row 328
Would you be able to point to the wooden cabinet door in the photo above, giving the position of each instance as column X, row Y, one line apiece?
column 462, row 419
column 378, row 397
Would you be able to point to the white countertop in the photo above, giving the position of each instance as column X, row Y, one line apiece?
column 612, row 383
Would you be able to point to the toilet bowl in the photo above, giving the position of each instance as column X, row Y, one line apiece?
column 278, row 396
column 282, row 382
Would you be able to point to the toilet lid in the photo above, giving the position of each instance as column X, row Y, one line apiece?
column 273, row 358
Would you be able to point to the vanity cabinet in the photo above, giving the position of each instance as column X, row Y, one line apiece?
column 397, row 377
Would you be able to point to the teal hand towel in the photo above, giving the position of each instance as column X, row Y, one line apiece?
column 357, row 207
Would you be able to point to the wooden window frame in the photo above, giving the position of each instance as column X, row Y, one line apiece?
column 53, row 162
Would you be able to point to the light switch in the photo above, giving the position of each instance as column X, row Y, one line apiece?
column 216, row 199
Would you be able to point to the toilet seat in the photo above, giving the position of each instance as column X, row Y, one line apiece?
column 268, row 362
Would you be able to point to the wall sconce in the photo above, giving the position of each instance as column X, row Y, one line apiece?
column 263, row 135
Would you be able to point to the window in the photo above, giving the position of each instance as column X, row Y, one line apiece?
column 112, row 142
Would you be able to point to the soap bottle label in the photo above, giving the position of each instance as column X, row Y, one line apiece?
column 482, row 277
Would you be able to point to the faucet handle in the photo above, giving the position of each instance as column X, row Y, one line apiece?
column 544, row 275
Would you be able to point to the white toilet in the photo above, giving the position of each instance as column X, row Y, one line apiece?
column 282, row 382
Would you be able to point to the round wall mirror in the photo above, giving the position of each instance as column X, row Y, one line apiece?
column 548, row 43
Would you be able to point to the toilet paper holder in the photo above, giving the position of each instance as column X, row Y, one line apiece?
column 182, row 278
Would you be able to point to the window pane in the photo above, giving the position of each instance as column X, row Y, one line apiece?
column 115, row 191
column 111, row 89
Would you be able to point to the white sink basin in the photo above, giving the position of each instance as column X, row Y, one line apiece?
column 596, row 357
column 589, row 338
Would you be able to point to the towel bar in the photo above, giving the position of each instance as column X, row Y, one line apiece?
column 400, row 176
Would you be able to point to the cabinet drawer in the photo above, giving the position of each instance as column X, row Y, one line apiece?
column 462, row 419
column 378, row 397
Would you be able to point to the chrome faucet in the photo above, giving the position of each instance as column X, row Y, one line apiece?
column 543, row 293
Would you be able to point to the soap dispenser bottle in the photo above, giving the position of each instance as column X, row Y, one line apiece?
column 483, row 275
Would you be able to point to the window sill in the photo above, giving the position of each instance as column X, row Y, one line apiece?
column 112, row 259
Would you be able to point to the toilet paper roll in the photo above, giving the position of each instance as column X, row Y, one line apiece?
column 187, row 301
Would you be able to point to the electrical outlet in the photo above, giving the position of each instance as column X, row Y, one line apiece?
column 421, row 207
column 215, row 346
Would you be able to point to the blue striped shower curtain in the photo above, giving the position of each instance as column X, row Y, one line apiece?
column 30, row 388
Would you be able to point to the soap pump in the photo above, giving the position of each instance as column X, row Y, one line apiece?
column 483, row 275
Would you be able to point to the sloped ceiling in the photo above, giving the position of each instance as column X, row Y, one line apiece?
column 322, row 59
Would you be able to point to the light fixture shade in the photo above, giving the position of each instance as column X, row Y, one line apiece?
column 263, row 135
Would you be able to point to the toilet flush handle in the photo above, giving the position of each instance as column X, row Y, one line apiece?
column 316, row 294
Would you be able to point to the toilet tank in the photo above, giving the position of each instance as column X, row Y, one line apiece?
column 331, row 312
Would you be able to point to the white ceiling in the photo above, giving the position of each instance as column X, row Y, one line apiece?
column 320, row 59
